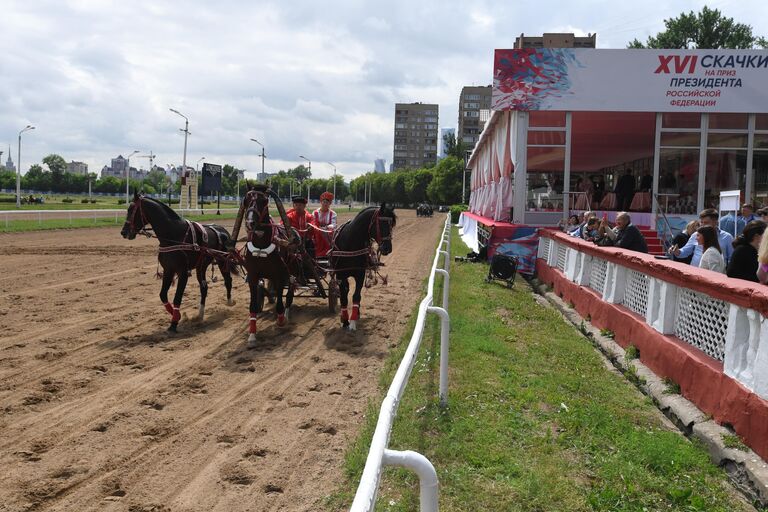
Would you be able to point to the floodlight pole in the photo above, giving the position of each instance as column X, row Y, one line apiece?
column 184, row 158
column 128, row 177
column 18, row 166
column 334, row 181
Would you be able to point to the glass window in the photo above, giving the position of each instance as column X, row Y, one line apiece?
column 679, row 177
column 604, row 145
column 728, row 121
column 546, row 168
column 761, row 141
column 761, row 122
column 546, row 138
column 760, row 166
column 726, row 170
column 546, row 118
column 681, row 120
column 727, row 140
column 680, row 139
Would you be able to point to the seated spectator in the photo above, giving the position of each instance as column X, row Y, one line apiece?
column 591, row 232
column 625, row 235
column 762, row 213
column 743, row 264
column 571, row 225
column 707, row 217
column 579, row 232
column 682, row 238
column 712, row 257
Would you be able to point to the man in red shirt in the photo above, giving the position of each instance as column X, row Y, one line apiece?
column 300, row 218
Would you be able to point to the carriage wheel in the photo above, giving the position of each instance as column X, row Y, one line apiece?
column 333, row 295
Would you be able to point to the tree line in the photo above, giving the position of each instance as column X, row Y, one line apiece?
column 439, row 184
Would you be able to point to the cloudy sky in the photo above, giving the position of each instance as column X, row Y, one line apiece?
column 314, row 78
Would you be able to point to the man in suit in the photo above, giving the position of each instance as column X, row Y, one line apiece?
column 625, row 189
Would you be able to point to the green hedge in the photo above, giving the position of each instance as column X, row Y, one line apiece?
column 456, row 210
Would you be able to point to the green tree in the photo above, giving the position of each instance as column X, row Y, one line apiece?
column 454, row 147
column 300, row 173
column 57, row 166
column 706, row 29
column 445, row 187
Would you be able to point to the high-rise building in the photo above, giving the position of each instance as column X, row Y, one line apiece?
column 415, row 135
column 556, row 40
column 77, row 168
column 118, row 167
column 380, row 165
column 474, row 111
column 443, row 133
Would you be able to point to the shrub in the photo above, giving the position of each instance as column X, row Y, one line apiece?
column 121, row 201
column 632, row 353
column 456, row 210
column 93, row 201
column 67, row 200
column 84, row 200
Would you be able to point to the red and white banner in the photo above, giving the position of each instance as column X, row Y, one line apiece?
column 583, row 79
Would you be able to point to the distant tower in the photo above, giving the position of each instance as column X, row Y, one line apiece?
column 9, row 163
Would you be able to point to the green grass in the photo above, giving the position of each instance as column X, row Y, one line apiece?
column 734, row 441
column 535, row 421
column 631, row 353
column 15, row 226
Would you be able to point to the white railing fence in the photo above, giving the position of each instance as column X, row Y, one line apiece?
column 379, row 454
column 731, row 333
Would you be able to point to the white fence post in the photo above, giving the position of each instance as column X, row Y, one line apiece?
column 419, row 464
column 615, row 281
column 445, row 329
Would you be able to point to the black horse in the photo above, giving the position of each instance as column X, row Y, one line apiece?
column 184, row 246
column 266, row 257
column 352, row 255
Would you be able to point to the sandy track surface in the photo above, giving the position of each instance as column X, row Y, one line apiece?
column 101, row 409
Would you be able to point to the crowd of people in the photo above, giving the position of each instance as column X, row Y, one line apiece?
column 707, row 243
column 624, row 234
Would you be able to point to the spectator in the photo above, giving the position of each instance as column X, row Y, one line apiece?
column 743, row 264
column 625, row 189
column 625, row 235
column 731, row 222
column 571, row 225
column 646, row 182
column 682, row 238
column 707, row 217
column 712, row 257
column 762, row 260
column 584, row 218
column 763, row 214
column 591, row 233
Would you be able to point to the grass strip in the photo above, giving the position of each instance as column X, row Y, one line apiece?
column 535, row 422
column 16, row 226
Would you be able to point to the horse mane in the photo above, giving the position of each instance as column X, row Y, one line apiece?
column 170, row 211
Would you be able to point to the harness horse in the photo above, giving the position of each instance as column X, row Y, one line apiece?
column 352, row 255
column 184, row 246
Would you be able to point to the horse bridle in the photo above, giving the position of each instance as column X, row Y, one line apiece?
column 138, row 210
column 375, row 220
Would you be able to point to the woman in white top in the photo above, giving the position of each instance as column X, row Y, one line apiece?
column 712, row 258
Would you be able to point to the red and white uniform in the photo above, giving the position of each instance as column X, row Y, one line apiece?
column 327, row 222
column 301, row 223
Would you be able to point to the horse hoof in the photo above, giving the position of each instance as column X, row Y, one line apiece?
column 252, row 339
column 281, row 320
column 352, row 325
column 172, row 328
column 287, row 313
column 231, row 302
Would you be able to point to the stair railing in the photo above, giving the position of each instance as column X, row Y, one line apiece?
column 667, row 234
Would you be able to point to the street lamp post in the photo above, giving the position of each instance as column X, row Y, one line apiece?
column 128, row 176
column 263, row 156
column 334, row 180
column 18, row 167
column 310, row 173
column 184, row 159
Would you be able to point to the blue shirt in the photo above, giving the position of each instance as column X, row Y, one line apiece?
column 692, row 247
column 727, row 223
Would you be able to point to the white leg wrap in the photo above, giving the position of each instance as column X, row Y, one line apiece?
column 252, row 339
column 353, row 325
column 201, row 311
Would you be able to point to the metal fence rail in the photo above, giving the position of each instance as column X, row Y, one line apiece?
column 380, row 455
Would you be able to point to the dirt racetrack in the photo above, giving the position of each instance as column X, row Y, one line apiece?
column 101, row 409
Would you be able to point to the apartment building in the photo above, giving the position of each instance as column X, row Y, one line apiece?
column 416, row 135
column 556, row 40
column 474, row 111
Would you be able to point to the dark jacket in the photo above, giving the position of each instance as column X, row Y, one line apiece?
column 631, row 238
column 625, row 185
column 680, row 240
column 743, row 263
